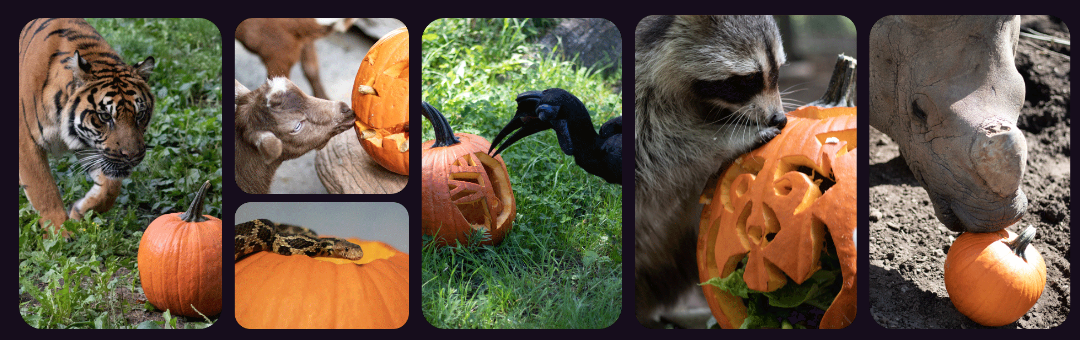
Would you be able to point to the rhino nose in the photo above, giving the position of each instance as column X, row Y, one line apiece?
column 1000, row 156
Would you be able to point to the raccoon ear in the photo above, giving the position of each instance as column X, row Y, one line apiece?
column 697, row 20
column 80, row 68
column 143, row 68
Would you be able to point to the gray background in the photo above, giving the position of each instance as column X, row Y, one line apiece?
column 378, row 221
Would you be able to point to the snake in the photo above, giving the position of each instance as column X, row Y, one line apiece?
column 286, row 239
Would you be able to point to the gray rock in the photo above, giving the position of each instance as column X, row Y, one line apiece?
column 596, row 42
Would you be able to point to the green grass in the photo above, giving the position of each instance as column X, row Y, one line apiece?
column 92, row 279
column 561, row 264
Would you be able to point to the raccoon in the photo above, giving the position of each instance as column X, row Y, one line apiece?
column 705, row 92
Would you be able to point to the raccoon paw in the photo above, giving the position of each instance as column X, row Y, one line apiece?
column 766, row 135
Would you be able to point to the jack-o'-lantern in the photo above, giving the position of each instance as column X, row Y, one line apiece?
column 466, row 194
column 380, row 99
column 770, row 215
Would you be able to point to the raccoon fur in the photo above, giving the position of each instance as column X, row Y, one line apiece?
column 705, row 93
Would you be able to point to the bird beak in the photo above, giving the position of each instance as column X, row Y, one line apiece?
column 525, row 126
column 525, row 119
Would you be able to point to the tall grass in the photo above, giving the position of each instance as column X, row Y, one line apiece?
column 561, row 265
column 91, row 280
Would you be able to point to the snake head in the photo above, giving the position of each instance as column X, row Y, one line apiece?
column 348, row 250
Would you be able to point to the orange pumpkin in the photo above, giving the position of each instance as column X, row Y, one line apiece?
column 278, row 291
column 380, row 99
column 464, row 190
column 180, row 261
column 994, row 278
column 773, row 206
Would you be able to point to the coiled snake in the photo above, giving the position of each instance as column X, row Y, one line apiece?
column 285, row 239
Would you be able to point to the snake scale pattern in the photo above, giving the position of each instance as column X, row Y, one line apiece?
column 264, row 235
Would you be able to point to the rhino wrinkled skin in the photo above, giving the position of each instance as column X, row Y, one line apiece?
column 945, row 89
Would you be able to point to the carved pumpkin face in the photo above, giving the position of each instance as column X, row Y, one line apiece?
column 278, row 291
column 773, row 207
column 466, row 191
column 380, row 99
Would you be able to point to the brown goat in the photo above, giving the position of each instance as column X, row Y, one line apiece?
column 278, row 122
column 280, row 42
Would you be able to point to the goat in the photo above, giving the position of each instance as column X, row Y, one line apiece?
column 278, row 122
column 280, row 42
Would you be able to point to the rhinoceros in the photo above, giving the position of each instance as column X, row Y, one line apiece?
column 945, row 89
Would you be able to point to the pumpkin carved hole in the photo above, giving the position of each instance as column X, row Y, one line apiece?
column 398, row 70
column 771, row 225
column 500, row 186
column 740, row 225
column 472, row 173
column 823, row 182
column 783, row 186
column 465, row 187
column 849, row 137
column 759, row 225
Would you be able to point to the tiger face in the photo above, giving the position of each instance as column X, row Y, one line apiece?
column 108, row 113
column 76, row 94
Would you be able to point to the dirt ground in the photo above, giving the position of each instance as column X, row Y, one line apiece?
column 908, row 244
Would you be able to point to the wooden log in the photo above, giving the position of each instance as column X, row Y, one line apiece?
column 345, row 168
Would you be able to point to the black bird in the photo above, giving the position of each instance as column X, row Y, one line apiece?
column 556, row 109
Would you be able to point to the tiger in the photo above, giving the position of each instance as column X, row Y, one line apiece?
column 77, row 95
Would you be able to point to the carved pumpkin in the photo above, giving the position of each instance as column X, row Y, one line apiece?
column 465, row 191
column 994, row 278
column 278, row 291
column 380, row 99
column 774, row 205
column 180, row 261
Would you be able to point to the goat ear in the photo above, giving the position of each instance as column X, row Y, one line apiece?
column 269, row 145
column 239, row 91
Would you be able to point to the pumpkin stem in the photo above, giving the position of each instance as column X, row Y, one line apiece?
column 1019, row 245
column 194, row 212
column 444, row 134
column 841, row 91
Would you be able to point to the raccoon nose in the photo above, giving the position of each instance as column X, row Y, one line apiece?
column 778, row 120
